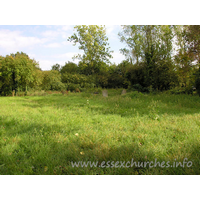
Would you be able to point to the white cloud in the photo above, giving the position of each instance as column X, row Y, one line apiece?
column 109, row 28
column 65, row 35
column 46, row 64
column 111, row 31
column 50, row 34
column 117, row 57
column 12, row 41
column 53, row 45
column 68, row 56
column 31, row 55
column 66, row 43
column 57, row 31
column 67, row 28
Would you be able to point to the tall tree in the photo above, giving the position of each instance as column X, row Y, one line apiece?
column 183, row 57
column 145, row 40
column 152, row 45
column 192, row 37
column 192, row 34
column 93, row 41
column 17, row 72
column 70, row 68
column 131, row 35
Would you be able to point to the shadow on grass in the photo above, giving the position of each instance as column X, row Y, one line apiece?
column 47, row 152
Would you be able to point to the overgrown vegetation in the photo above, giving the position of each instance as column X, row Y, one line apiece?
column 43, row 134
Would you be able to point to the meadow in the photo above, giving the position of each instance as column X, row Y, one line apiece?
column 43, row 134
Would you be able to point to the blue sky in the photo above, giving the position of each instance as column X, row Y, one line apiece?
column 48, row 44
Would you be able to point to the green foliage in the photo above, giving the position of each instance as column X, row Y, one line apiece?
column 52, row 81
column 178, row 90
column 149, row 48
column 56, row 67
column 134, row 94
column 93, row 41
column 79, row 81
column 187, row 41
column 164, row 76
column 70, row 67
column 115, row 78
column 191, row 34
column 103, row 80
column 135, row 74
column 17, row 73
column 139, row 88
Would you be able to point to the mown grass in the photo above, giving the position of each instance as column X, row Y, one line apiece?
column 43, row 134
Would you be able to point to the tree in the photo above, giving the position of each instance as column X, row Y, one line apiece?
column 192, row 36
column 69, row 67
column 184, row 57
column 152, row 46
column 25, row 69
column 131, row 35
column 56, row 67
column 93, row 41
column 17, row 73
column 7, row 75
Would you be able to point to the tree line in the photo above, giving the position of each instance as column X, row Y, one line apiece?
column 158, row 58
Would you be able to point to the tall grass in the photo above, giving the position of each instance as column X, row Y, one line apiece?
column 43, row 134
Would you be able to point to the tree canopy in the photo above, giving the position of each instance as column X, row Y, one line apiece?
column 93, row 41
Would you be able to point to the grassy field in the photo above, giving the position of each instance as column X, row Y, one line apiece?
column 44, row 134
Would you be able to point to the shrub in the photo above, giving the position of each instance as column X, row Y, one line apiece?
column 181, row 90
column 139, row 88
column 78, row 81
column 134, row 94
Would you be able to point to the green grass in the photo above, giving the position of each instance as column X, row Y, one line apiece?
column 43, row 134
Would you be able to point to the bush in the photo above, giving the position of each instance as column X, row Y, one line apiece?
column 52, row 81
column 58, row 86
column 72, row 87
column 181, row 90
column 95, row 90
column 134, row 94
column 139, row 88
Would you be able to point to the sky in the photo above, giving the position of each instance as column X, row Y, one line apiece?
column 48, row 44
column 28, row 27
